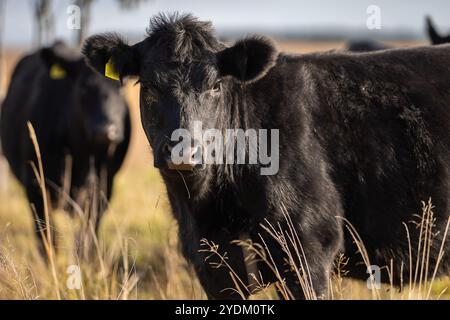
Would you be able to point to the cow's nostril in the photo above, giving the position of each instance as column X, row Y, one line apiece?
column 112, row 132
column 167, row 149
column 196, row 154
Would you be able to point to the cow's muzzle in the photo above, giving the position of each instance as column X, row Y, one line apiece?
column 192, row 161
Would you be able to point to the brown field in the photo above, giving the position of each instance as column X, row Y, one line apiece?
column 138, row 256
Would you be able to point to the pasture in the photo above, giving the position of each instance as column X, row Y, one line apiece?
column 137, row 251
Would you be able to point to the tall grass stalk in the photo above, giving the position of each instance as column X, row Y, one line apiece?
column 47, row 236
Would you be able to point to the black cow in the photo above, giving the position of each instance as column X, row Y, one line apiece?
column 82, row 126
column 365, row 46
column 370, row 45
column 365, row 137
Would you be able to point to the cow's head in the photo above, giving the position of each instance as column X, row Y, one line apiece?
column 98, row 104
column 186, row 74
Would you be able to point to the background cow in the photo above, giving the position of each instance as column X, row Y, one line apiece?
column 82, row 126
column 365, row 46
column 365, row 137
column 371, row 45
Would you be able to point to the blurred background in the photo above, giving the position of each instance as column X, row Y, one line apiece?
column 139, row 256
column 292, row 19
column 28, row 24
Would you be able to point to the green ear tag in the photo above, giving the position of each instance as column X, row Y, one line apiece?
column 57, row 72
column 110, row 71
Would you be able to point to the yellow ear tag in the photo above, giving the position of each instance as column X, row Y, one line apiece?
column 110, row 71
column 57, row 72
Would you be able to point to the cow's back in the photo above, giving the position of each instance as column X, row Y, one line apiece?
column 385, row 115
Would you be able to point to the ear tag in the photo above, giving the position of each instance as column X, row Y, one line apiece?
column 110, row 71
column 57, row 72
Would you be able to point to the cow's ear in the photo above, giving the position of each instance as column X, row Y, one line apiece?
column 61, row 61
column 434, row 36
column 248, row 60
column 111, row 56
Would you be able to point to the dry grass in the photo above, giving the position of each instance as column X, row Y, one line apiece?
column 137, row 254
column 419, row 286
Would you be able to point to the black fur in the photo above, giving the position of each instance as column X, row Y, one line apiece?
column 362, row 136
column 365, row 46
column 82, row 116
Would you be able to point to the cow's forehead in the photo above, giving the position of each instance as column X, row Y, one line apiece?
column 169, row 50
column 171, row 72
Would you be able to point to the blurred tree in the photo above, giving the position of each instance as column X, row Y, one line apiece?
column 85, row 6
column 3, row 164
column 2, row 26
column 130, row 4
column 44, row 20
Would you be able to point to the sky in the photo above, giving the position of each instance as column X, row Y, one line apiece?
column 246, row 15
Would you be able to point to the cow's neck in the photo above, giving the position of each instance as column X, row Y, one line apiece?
column 208, row 200
column 238, row 111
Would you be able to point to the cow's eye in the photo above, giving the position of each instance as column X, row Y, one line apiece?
column 217, row 87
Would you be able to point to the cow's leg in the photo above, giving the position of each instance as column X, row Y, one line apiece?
column 307, row 279
column 89, row 226
column 100, row 190
column 305, row 270
column 43, row 228
column 220, row 268
column 317, row 281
